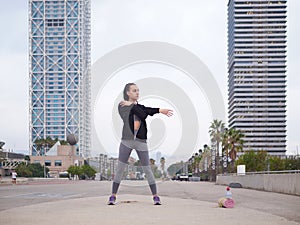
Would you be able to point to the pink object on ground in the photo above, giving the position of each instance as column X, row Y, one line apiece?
column 226, row 202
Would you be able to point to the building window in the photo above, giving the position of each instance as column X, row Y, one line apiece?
column 47, row 163
column 36, row 161
column 55, row 22
column 57, row 163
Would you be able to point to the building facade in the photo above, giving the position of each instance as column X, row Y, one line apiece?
column 64, row 157
column 106, row 167
column 9, row 161
column 257, row 73
column 59, row 70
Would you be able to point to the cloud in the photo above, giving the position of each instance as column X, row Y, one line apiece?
column 189, row 25
column 14, row 101
column 197, row 25
column 14, row 24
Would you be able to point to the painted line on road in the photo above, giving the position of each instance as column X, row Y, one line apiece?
column 44, row 195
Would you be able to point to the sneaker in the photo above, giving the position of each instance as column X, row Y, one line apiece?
column 112, row 200
column 156, row 200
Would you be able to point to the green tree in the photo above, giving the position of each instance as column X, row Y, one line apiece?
column 261, row 161
column 253, row 160
column 196, row 159
column 88, row 171
column 42, row 145
column 31, row 170
column 232, row 143
column 74, row 170
column 62, row 142
column 39, row 143
column 205, row 158
column 292, row 163
column 49, row 142
column 276, row 163
column 37, row 169
column 23, row 170
column 46, row 144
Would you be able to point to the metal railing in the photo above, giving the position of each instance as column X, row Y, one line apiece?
column 262, row 172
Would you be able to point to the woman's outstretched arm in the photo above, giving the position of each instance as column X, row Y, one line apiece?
column 147, row 110
column 167, row 112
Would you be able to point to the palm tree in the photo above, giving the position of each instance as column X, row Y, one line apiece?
column 44, row 144
column 48, row 143
column 216, row 131
column 39, row 143
column 195, row 159
column 62, row 142
column 233, row 143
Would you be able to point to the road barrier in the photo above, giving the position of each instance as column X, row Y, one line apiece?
column 287, row 182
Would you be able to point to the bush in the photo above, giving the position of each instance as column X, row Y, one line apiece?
column 23, row 170
column 276, row 163
column 292, row 163
column 74, row 170
column 261, row 161
column 82, row 171
column 88, row 171
column 31, row 170
column 254, row 161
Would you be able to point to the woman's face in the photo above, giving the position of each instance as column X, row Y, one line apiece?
column 133, row 93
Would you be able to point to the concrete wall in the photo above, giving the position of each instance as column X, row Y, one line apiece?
column 281, row 183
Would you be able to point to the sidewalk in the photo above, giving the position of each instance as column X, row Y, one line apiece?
column 23, row 180
column 135, row 209
column 7, row 181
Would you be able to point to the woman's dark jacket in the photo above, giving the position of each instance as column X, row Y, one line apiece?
column 127, row 112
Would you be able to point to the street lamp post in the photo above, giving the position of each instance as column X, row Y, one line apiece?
column 44, row 161
column 213, row 162
column 45, row 150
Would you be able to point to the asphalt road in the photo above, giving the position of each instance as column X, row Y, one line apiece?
column 12, row 196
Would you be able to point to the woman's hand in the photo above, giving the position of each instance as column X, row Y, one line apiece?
column 167, row 112
column 125, row 103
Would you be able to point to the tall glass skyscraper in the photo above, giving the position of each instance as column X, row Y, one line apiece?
column 60, row 71
column 257, row 73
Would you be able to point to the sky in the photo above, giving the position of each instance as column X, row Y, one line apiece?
column 196, row 25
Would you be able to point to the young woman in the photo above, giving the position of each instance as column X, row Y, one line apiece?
column 134, row 136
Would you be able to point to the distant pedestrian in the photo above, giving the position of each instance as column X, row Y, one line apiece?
column 14, row 177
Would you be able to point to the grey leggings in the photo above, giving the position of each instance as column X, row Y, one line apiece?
column 125, row 149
